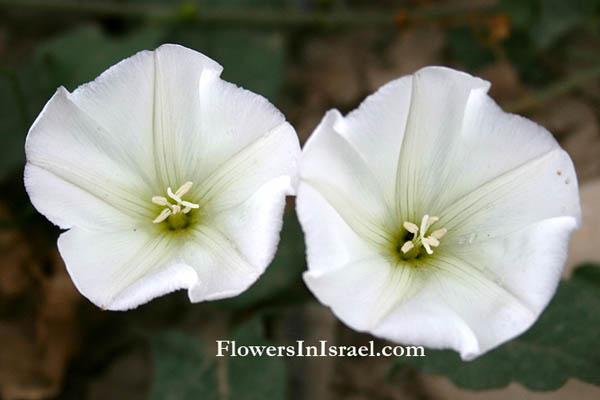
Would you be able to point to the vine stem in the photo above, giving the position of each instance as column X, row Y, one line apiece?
column 258, row 18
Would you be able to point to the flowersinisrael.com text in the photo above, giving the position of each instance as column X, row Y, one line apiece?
column 300, row 349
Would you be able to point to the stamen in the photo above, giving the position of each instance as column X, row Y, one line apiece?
column 164, row 214
column 189, row 205
column 433, row 242
column 180, row 206
column 173, row 195
column 407, row 246
column 424, row 225
column 161, row 201
column 183, row 189
column 409, row 226
column 426, row 245
column 423, row 240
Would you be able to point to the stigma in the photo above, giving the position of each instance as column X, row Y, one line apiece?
column 420, row 237
column 174, row 204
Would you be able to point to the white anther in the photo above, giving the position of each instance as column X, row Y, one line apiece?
column 412, row 228
column 433, row 240
column 164, row 214
column 183, row 189
column 172, row 209
column 407, row 246
column 187, row 204
column 161, row 201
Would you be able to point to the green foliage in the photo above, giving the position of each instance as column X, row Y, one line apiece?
column 81, row 55
column 186, row 368
column 467, row 50
column 285, row 269
column 182, row 368
column 563, row 344
column 547, row 21
column 255, row 378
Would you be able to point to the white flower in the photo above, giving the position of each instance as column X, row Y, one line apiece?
column 165, row 176
column 434, row 218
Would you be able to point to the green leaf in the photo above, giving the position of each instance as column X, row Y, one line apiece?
column 81, row 55
column 182, row 368
column 467, row 50
column 558, row 17
column 185, row 368
column 285, row 269
column 255, row 378
column 547, row 21
column 563, row 344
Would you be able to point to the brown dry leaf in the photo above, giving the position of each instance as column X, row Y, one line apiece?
column 38, row 344
column 16, row 252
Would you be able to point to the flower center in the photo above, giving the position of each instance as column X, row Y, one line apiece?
column 411, row 248
column 175, row 207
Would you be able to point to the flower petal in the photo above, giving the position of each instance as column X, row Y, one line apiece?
column 380, row 118
column 331, row 166
column 271, row 156
column 233, row 119
column 364, row 291
column 330, row 242
column 499, row 293
column 253, row 226
column 517, row 175
column 222, row 270
column 179, row 130
column 76, row 174
column 462, row 153
column 121, row 270
column 437, row 104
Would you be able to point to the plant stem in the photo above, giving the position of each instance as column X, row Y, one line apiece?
column 258, row 18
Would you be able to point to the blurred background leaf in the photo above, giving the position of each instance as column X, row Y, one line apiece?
column 185, row 368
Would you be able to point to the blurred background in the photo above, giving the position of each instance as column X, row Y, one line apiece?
column 305, row 56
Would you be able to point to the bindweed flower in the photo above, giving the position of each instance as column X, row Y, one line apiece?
column 434, row 218
column 166, row 177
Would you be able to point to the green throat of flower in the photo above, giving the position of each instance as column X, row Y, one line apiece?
column 416, row 241
column 176, row 213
